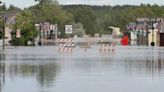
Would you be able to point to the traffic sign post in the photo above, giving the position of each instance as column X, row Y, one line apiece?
column 68, row 29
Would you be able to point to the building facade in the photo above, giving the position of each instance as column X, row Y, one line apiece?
column 9, row 19
column 147, row 31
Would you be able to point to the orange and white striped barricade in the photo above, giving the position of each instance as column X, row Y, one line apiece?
column 65, row 49
column 106, row 48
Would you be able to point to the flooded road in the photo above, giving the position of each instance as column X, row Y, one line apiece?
column 44, row 69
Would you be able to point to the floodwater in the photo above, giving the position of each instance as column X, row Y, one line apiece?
column 44, row 69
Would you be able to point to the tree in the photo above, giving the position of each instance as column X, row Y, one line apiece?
column 3, row 7
column 86, row 16
column 106, row 16
column 25, row 22
column 13, row 8
column 53, row 13
column 78, row 29
column 47, row 2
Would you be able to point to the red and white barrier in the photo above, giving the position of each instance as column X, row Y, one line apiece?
column 65, row 49
column 107, row 47
column 65, row 40
column 67, row 45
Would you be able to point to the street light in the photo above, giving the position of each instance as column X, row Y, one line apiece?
column 33, row 28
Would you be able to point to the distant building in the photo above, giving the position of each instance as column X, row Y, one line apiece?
column 147, row 31
column 9, row 18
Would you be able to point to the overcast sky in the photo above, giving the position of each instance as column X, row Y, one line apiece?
column 26, row 3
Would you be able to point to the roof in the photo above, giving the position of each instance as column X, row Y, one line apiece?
column 8, row 14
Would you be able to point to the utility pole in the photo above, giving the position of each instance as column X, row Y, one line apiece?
column 41, row 23
column 40, row 43
column 147, row 31
column 56, row 34
column 3, row 32
column 15, row 33
column 33, row 43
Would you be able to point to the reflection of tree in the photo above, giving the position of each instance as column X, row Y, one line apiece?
column 0, row 75
column 2, row 57
column 47, row 74
column 2, row 71
column 0, row 81
column 44, row 72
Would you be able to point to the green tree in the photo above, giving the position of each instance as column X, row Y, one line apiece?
column 3, row 8
column 86, row 16
column 13, row 8
column 47, row 2
column 25, row 22
column 78, row 29
column 53, row 13
column 106, row 16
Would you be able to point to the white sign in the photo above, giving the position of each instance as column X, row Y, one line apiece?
column 68, row 29
column 53, row 27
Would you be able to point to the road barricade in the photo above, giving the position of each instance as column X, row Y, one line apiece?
column 66, row 45
column 106, row 48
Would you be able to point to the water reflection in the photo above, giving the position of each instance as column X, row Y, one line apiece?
column 58, row 72
column 43, row 71
column 46, row 74
column 2, row 71
column 141, row 61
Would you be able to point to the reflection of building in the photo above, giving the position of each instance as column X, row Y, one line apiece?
column 2, row 71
